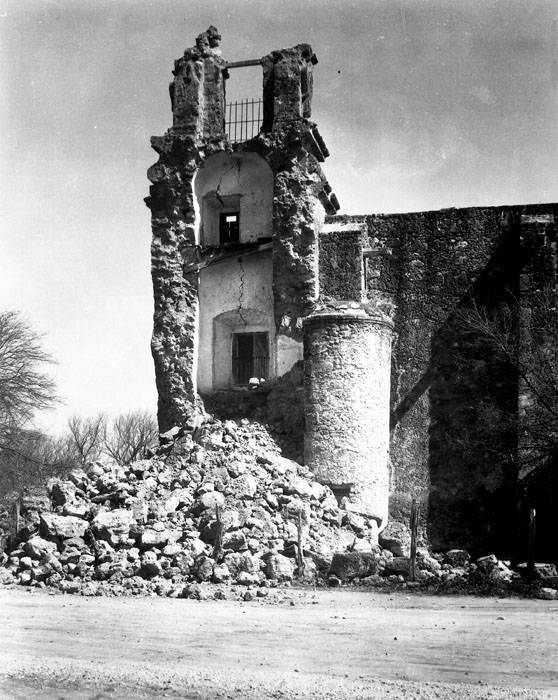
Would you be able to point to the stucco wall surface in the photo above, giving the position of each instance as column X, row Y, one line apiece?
column 235, row 296
column 219, row 180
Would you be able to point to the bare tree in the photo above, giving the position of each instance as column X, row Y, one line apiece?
column 30, row 458
column 525, row 336
column 130, row 436
column 26, row 456
column 24, row 385
column 86, row 436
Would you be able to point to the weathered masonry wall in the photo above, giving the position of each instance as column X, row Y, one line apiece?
column 453, row 404
column 347, row 369
column 341, row 261
column 197, row 100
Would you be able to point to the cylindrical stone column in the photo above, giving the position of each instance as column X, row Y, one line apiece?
column 347, row 361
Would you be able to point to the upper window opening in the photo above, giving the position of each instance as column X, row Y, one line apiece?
column 229, row 227
column 244, row 111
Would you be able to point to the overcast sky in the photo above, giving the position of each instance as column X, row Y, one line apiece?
column 423, row 104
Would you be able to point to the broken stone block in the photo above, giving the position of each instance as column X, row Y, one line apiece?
column 221, row 573
column 154, row 538
column 245, row 578
column 78, row 508
column 361, row 544
column 280, row 568
column 113, row 525
column 427, row 562
column 349, row 565
column 203, row 568
column 62, row 526
column 547, row 594
column 78, row 477
column 236, row 541
column 244, row 486
column 149, row 565
column 457, row 557
column 355, row 521
column 170, row 550
column 105, row 553
column 487, row 563
column 398, row 566
column 299, row 487
column 396, row 538
column 37, row 547
column 61, row 492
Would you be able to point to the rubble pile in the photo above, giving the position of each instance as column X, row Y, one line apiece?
column 216, row 505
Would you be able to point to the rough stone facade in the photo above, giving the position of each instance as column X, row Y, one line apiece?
column 373, row 306
column 454, row 404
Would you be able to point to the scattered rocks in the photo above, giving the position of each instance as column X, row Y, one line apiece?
column 224, row 509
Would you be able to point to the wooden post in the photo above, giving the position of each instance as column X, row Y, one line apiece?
column 531, row 540
column 218, row 546
column 414, row 532
column 300, row 547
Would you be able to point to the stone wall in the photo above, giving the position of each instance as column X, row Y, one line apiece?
column 197, row 101
column 341, row 262
column 453, row 403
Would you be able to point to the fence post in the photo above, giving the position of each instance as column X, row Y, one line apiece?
column 414, row 533
column 531, row 540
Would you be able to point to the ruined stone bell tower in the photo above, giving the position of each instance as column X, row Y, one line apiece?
column 236, row 268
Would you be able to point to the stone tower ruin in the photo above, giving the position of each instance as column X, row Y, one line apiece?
column 236, row 260
column 346, row 330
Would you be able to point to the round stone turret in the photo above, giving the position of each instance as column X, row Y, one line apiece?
column 347, row 358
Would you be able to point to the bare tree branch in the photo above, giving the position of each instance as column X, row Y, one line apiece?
column 130, row 436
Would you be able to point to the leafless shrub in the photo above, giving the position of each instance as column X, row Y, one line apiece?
column 130, row 436
column 87, row 435
column 30, row 458
column 525, row 336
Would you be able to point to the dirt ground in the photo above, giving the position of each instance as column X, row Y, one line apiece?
column 302, row 644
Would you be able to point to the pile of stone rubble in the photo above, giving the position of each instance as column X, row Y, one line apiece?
column 217, row 505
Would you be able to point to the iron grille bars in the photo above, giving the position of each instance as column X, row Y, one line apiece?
column 243, row 120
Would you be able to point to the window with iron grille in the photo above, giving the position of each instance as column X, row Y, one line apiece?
column 243, row 120
column 229, row 227
column 250, row 357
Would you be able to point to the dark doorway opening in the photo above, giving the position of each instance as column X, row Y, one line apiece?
column 250, row 357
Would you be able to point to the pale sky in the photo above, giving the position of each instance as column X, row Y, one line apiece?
column 423, row 104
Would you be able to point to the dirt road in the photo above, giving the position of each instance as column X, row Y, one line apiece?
column 325, row 644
